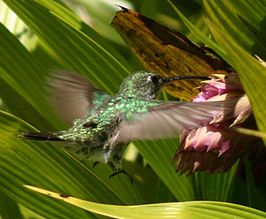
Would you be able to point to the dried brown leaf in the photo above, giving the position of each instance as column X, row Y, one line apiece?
column 166, row 52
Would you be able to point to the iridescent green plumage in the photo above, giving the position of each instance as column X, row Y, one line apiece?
column 105, row 124
column 103, row 119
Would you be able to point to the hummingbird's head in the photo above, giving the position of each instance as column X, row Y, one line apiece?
column 143, row 85
column 146, row 85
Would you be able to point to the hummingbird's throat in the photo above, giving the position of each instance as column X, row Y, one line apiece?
column 185, row 77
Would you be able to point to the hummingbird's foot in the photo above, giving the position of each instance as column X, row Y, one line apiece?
column 111, row 164
column 121, row 171
column 95, row 164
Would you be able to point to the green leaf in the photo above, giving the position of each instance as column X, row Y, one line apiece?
column 20, row 74
column 223, row 17
column 191, row 210
column 251, row 72
column 68, row 42
column 159, row 154
column 233, row 20
column 9, row 208
column 198, row 34
column 90, row 56
column 216, row 186
column 17, row 27
column 44, row 165
column 250, row 132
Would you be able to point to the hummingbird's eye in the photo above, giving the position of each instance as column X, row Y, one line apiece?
column 154, row 79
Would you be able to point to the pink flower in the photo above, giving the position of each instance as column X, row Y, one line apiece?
column 214, row 147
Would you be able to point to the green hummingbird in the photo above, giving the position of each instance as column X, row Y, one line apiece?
column 104, row 125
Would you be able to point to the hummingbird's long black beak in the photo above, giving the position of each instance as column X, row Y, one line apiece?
column 185, row 77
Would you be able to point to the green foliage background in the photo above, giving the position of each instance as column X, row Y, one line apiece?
column 55, row 37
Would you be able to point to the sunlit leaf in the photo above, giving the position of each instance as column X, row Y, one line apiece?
column 88, row 52
column 185, row 210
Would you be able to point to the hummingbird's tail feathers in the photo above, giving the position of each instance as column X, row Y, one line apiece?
column 39, row 136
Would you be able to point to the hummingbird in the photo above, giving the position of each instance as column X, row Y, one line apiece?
column 103, row 125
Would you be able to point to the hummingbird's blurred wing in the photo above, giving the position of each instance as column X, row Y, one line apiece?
column 169, row 118
column 73, row 96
